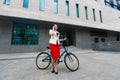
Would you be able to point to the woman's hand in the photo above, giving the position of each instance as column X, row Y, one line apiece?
column 65, row 39
column 51, row 33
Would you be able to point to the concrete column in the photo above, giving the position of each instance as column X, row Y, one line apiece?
column 5, row 35
column 119, row 36
column 111, row 36
column 43, row 37
column 83, row 39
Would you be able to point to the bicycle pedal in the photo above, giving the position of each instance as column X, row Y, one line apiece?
column 61, row 61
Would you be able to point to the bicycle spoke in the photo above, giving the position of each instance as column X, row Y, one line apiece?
column 43, row 60
column 71, row 62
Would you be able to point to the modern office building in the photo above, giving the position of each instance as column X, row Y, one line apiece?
column 24, row 24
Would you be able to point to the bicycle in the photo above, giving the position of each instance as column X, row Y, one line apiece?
column 43, row 60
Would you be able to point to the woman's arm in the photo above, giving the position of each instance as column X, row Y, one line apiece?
column 63, row 39
column 51, row 32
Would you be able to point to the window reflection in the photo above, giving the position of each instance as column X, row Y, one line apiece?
column 25, row 34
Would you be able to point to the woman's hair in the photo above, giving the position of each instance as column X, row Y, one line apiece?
column 51, row 26
column 55, row 25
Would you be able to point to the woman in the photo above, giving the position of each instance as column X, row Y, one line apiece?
column 55, row 47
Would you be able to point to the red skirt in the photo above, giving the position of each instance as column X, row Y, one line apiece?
column 55, row 51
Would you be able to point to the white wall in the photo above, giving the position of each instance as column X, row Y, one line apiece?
column 111, row 20
column 5, row 35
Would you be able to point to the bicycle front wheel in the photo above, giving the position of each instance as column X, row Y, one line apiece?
column 43, row 60
column 71, row 62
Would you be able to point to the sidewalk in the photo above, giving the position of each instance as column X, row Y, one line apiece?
column 94, row 65
column 11, row 56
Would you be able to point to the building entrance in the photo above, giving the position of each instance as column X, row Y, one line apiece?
column 70, row 34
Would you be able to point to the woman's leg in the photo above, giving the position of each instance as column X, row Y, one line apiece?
column 53, row 65
column 56, row 63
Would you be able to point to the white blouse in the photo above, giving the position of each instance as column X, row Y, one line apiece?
column 55, row 37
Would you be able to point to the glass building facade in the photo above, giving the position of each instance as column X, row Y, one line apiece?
column 113, row 3
column 25, row 34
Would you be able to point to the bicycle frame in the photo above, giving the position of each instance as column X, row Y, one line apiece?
column 44, row 59
column 65, row 51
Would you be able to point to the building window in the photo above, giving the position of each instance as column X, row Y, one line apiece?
column 118, row 4
column 96, row 40
column 25, row 3
column 118, row 37
column 100, row 13
column 109, row 3
column 77, row 10
column 25, row 34
column 67, row 8
column 94, row 17
column 42, row 5
column 113, row 3
column 86, row 12
column 55, row 6
column 102, row 39
column 7, row 2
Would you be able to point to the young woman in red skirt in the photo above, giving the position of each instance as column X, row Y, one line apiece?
column 55, row 47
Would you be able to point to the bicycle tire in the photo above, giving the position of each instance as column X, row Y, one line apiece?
column 39, row 60
column 71, row 65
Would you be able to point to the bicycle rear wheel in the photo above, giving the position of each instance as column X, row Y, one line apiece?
column 43, row 60
column 71, row 62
